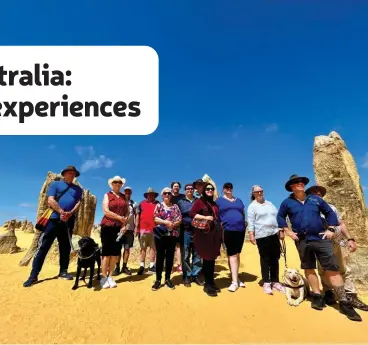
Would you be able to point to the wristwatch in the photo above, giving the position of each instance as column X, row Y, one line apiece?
column 331, row 229
column 351, row 239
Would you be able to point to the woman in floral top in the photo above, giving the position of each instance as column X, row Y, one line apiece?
column 168, row 218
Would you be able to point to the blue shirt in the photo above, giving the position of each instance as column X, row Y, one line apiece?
column 231, row 214
column 306, row 218
column 185, row 206
column 68, row 200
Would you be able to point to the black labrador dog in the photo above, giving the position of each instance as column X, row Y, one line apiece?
column 88, row 254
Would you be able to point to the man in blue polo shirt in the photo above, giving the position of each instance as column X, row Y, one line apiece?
column 313, row 241
column 64, row 198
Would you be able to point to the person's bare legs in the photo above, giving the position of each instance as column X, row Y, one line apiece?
column 234, row 261
column 178, row 255
column 313, row 280
column 105, row 265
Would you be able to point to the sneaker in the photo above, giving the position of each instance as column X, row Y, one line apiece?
column 169, row 284
column 156, row 285
column 233, row 287
column 126, row 270
column 104, row 283
column 355, row 302
column 30, row 281
column 140, row 271
column 348, row 310
column 267, row 288
column 210, row 291
column 241, row 284
column 152, row 270
column 215, row 287
column 112, row 282
column 278, row 287
column 198, row 281
column 66, row 276
column 179, row 269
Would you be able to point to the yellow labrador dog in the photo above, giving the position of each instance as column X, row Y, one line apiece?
column 296, row 286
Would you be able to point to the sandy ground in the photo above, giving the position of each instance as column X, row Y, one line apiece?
column 50, row 312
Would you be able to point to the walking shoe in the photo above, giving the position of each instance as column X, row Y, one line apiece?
column 209, row 290
column 215, row 287
column 187, row 282
column 318, row 301
column 141, row 270
column 278, row 287
column 241, row 284
column 267, row 288
column 355, row 302
column 112, row 282
column 66, row 276
column 30, row 281
column 126, row 270
column 346, row 309
column 198, row 281
column 116, row 271
column 233, row 287
column 329, row 297
column 152, row 270
column 169, row 284
column 156, row 285
column 104, row 282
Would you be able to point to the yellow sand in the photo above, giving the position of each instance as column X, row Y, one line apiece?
column 50, row 312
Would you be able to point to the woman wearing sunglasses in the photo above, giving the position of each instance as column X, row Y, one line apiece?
column 207, row 242
column 167, row 216
column 264, row 231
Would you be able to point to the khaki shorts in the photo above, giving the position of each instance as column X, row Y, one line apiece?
column 147, row 240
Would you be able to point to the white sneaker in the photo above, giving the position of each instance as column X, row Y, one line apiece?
column 112, row 282
column 241, row 284
column 104, row 283
column 233, row 287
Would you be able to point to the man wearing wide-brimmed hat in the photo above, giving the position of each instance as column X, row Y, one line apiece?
column 341, row 250
column 64, row 198
column 313, row 240
column 145, row 229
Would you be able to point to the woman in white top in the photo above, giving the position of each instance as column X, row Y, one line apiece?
column 263, row 231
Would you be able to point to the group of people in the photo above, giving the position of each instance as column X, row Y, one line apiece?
column 194, row 225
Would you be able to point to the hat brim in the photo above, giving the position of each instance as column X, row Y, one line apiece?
column 111, row 180
column 154, row 193
column 321, row 189
column 196, row 183
column 77, row 173
column 305, row 180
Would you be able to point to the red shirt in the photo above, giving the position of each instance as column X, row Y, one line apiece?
column 146, row 220
column 116, row 205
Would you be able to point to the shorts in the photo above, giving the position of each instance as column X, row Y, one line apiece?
column 146, row 240
column 127, row 240
column 233, row 241
column 109, row 235
column 322, row 250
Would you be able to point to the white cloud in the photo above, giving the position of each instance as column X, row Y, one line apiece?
column 365, row 161
column 90, row 160
column 24, row 204
column 364, row 187
column 273, row 127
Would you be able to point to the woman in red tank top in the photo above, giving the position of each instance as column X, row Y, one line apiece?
column 116, row 212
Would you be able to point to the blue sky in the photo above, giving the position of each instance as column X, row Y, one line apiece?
column 245, row 86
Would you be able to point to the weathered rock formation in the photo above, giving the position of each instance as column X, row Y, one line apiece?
column 84, row 221
column 335, row 169
column 6, row 224
column 29, row 228
column 8, row 241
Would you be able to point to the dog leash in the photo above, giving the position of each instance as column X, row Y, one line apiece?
column 87, row 257
column 283, row 251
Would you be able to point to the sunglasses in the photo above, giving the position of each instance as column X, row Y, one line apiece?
column 166, row 193
column 258, row 192
column 118, row 182
column 210, row 189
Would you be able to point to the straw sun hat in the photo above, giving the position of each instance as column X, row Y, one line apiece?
column 116, row 178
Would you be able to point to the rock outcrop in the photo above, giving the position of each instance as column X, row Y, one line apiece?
column 335, row 169
column 84, row 221
column 8, row 241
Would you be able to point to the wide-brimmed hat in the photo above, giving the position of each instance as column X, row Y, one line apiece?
column 321, row 189
column 200, row 181
column 295, row 179
column 150, row 191
column 70, row 168
column 116, row 178
column 128, row 188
